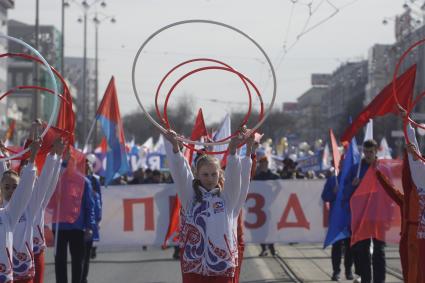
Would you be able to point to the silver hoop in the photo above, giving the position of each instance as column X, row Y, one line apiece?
column 55, row 90
column 182, row 139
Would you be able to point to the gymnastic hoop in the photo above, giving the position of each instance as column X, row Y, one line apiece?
column 55, row 90
column 180, row 138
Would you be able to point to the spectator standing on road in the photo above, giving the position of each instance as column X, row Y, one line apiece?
column 329, row 194
column 263, row 174
column 90, row 249
column 363, row 261
column 75, row 235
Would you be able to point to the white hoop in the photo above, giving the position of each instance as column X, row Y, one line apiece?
column 55, row 90
column 162, row 129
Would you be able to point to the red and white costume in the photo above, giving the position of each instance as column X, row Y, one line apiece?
column 207, row 238
column 238, row 218
column 417, row 169
column 38, row 227
column 23, row 259
column 39, row 243
column 10, row 214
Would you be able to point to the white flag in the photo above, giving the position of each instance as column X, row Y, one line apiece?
column 148, row 145
column 326, row 161
column 223, row 131
column 384, row 151
column 160, row 145
column 369, row 131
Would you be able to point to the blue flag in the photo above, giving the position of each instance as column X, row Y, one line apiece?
column 108, row 114
column 340, row 215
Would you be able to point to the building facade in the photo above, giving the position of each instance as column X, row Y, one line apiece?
column 21, row 71
column 310, row 123
column 74, row 73
column 5, row 5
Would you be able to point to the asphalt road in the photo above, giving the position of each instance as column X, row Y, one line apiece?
column 309, row 263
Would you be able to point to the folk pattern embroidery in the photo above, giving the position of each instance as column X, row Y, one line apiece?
column 23, row 264
column 421, row 228
column 200, row 255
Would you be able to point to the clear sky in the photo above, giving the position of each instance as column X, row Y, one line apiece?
column 336, row 31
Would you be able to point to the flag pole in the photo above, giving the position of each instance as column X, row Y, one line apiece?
column 90, row 133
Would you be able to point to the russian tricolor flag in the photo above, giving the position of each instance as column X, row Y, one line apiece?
column 108, row 114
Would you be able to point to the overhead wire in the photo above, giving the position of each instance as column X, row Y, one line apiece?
column 306, row 29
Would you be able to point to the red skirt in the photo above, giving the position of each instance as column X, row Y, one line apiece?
column 197, row 278
column 39, row 267
column 421, row 257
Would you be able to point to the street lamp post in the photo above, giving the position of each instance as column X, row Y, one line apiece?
column 62, row 36
column 98, row 19
column 36, row 73
column 86, row 6
column 84, row 104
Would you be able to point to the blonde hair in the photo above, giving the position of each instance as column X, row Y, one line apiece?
column 8, row 174
column 202, row 160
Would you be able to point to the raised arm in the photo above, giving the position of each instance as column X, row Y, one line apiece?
column 41, row 186
column 233, row 176
column 246, row 173
column 180, row 169
column 3, row 164
column 417, row 166
column 22, row 195
column 57, row 171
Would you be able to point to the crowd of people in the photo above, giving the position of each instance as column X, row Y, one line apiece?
column 368, row 255
column 211, row 197
column 25, row 194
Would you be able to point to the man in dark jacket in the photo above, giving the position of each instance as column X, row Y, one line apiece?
column 264, row 173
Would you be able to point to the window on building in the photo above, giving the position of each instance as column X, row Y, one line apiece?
column 19, row 78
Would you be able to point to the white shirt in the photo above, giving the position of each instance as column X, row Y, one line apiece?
column 23, row 259
column 39, row 241
column 9, row 216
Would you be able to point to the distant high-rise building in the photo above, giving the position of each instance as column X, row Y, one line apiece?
column 4, row 6
column 74, row 73
column 21, row 71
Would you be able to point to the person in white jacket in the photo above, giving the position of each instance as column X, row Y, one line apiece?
column 207, row 238
column 16, row 193
column 23, row 257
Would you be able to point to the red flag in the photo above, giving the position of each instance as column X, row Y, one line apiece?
column 336, row 155
column 46, row 144
column 108, row 114
column 52, row 134
column 10, row 131
column 66, row 116
column 174, row 225
column 103, row 146
column 65, row 204
column 384, row 102
column 199, row 130
column 373, row 213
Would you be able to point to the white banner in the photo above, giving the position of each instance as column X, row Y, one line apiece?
column 275, row 211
